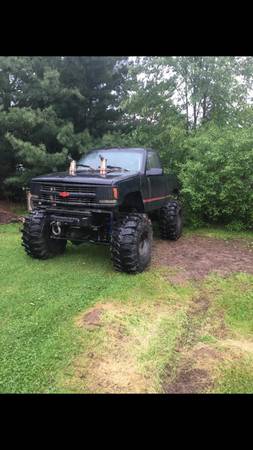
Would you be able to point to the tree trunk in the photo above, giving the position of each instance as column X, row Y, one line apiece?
column 6, row 102
column 204, row 108
column 187, row 107
column 186, row 97
column 194, row 115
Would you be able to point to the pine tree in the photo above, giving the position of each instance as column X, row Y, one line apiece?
column 52, row 107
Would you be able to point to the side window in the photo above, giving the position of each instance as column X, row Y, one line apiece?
column 153, row 161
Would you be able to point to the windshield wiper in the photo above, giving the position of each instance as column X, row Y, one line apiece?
column 116, row 167
column 85, row 165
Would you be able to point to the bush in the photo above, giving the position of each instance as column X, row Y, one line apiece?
column 217, row 178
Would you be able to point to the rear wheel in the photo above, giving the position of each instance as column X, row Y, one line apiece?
column 170, row 221
column 36, row 238
column 131, row 243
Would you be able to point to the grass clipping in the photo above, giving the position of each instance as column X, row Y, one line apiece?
column 127, row 347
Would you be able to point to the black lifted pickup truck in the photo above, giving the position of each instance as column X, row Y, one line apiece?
column 109, row 197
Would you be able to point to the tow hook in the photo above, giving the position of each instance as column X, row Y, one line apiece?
column 56, row 228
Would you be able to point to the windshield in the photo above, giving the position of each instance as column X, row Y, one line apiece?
column 116, row 160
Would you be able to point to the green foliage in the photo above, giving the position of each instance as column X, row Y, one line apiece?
column 195, row 112
column 209, row 88
column 35, row 157
column 217, row 178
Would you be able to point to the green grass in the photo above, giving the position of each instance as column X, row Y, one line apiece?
column 40, row 301
column 234, row 297
column 219, row 233
column 233, row 303
column 161, row 350
column 236, row 377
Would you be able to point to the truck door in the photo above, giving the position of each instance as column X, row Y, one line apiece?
column 157, row 182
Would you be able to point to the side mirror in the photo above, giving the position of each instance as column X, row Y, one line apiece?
column 157, row 171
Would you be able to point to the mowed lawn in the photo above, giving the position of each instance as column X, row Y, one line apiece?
column 140, row 333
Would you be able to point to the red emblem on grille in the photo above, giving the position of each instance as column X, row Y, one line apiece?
column 64, row 194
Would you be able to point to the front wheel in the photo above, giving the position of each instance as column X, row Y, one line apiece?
column 170, row 221
column 131, row 243
column 36, row 238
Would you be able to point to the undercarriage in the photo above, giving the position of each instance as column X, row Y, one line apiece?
column 82, row 226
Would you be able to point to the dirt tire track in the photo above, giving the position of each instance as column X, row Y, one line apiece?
column 193, row 374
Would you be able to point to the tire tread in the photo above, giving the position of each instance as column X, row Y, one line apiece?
column 124, row 239
column 168, row 221
column 35, row 240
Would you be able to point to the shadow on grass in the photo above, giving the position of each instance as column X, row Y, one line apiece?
column 94, row 255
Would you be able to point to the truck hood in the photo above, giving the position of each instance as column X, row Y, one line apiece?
column 84, row 177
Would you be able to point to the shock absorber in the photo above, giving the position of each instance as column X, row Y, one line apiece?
column 110, row 224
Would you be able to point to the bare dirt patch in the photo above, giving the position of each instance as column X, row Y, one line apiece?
column 197, row 256
column 189, row 381
column 199, row 369
column 178, row 278
column 7, row 216
column 196, row 372
column 200, row 305
column 92, row 319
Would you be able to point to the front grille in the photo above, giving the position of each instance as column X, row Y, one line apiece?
column 79, row 195
column 76, row 188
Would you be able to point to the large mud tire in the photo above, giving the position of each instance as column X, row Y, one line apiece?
column 36, row 238
column 131, row 243
column 170, row 221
